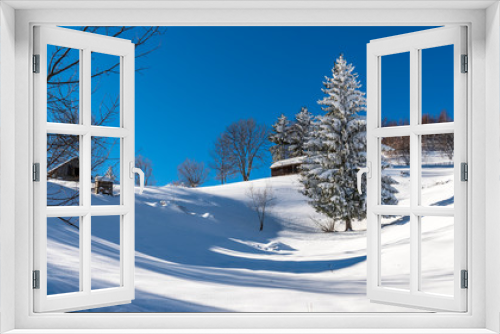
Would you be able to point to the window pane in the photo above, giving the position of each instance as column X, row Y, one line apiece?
column 437, row 85
column 437, row 170
column 395, row 252
column 63, row 84
column 105, row 89
column 395, row 89
column 106, row 252
column 63, row 170
column 395, row 171
column 105, row 171
column 437, row 255
column 63, row 255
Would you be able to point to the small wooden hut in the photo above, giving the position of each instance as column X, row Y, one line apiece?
column 66, row 171
column 104, row 184
column 287, row 166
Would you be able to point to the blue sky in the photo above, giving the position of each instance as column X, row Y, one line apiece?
column 201, row 79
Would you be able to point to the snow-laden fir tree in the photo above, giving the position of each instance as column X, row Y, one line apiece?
column 388, row 192
column 280, row 138
column 110, row 175
column 299, row 130
column 337, row 149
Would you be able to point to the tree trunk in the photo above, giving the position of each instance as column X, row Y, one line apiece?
column 261, row 225
column 348, row 225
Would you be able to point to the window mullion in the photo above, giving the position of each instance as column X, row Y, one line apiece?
column 414, row 168
column 86, row 169
column 85, row 253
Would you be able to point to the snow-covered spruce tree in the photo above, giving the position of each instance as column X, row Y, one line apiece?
column 299, row 130
column 388, row 192
column 280, row 138
column 337, row 149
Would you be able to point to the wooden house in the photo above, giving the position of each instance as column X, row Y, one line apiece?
column 66, row 171
column 287, row 166
column 104, row 184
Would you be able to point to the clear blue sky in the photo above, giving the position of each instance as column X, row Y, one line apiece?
column 201, row 79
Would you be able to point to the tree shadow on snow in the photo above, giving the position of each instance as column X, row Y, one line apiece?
column 445, row 202
column 258, row 279
column 178, row 233
column 192, row 235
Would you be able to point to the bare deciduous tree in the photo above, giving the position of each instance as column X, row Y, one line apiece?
column 247, row 141
column 222, row 161
column 446, row 141
column 147, row 167
column 261, row 201
column 63, row 74
column 448, row 145
column 63, row 105
column 192, row 173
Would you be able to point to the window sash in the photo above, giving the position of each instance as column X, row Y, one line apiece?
column 413, row 43
column 87, row 297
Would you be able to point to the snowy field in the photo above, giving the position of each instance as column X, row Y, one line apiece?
column 200, row 250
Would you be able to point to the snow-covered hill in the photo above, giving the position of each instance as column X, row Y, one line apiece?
column 200, row 250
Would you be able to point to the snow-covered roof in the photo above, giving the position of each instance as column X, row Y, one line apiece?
column 61, row 164
column 288, row 162
column 103, row 178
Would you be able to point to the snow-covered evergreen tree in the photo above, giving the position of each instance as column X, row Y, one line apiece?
column 110, row 175
column 280, row 138
column 388, row 192
column 299, row 130
column 337, row 149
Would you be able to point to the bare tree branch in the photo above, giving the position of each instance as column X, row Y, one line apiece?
column 261, row 201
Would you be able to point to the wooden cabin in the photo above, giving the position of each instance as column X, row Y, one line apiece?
column 66, row 171
column 289, row 166
column 104, row 184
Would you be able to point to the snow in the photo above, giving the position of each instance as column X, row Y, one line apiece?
column 104, row 178
column 108, row 177
column 199, row 250
column 288, row 162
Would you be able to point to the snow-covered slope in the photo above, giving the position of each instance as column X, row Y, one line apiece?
column 200, row 250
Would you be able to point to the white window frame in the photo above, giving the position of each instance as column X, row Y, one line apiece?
column 414, row 44
column 85, row 43
column 483, row 21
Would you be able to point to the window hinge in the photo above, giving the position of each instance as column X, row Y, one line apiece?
column 464, row 171
column 36, row 63
column 36, row 172
column 465, row 279
column 36, row 279
column 465, row 64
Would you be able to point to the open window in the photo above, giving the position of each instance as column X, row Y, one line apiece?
column 70, row 124
column 417, row 277
column 17, row 156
